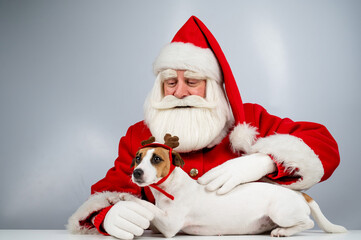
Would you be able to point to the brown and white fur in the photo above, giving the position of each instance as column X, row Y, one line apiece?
column 250, row 208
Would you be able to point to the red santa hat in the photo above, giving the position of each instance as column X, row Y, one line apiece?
column 195, row 48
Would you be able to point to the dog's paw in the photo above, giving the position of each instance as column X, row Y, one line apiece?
column 126, row 197
column 279, row 232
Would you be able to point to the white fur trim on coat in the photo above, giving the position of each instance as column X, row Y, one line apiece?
column 186, row 56
column 96, row 202
column 293, row 153
column 242, row 137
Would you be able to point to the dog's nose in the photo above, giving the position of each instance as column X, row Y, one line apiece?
column 138, row 173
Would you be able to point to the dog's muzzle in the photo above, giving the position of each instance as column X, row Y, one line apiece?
column 138, row 174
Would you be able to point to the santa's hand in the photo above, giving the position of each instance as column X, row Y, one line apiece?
column 127, row 219
column 240, row 170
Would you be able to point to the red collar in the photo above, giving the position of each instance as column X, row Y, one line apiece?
column 172, row 167
column 155, row 185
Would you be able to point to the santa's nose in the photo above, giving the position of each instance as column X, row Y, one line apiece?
column 182, row 90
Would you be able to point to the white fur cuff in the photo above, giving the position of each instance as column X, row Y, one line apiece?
column 293, row 154
column 95, row 203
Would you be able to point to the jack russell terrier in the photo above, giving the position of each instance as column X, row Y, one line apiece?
column 184, row 205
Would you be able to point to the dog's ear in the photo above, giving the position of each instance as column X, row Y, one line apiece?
column 170, row 141
column 133, row 163
column 177, row 159
column 149, row 141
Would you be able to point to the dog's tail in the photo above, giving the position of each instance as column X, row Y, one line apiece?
column 320, row 219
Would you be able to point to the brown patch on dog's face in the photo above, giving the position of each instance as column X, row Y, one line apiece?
column 139, row 156
column 160, row 160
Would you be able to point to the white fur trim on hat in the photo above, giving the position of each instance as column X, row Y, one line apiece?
column 186, row 56
column 293, row 153
column 96, row 202
column 242, row 137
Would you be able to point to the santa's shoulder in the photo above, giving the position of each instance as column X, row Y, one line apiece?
column 253, row 108
column 138, row 132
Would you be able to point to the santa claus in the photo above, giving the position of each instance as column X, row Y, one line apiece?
column 223, row 142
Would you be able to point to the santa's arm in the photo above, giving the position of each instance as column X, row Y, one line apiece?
column 305, row 153
column 105, row 193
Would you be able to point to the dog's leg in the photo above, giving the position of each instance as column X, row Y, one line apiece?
column 151, row 207
column 169, row 224
column 288, row 231
column 153, row 228
column 290, row 222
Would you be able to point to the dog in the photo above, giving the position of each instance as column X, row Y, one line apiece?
column 184, row 205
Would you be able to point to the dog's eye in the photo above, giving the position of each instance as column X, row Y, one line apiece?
column 137, row 159
column 156, row 159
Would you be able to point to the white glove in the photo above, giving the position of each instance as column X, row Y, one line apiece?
column 228, row 175
column 127, row 219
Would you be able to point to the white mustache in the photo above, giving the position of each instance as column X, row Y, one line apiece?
column 170, row 101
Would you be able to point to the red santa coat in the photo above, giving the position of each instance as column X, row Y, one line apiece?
column 305, row 154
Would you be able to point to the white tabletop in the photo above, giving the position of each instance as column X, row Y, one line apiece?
column 64, row 235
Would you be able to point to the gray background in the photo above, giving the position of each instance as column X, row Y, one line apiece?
column 74, row 75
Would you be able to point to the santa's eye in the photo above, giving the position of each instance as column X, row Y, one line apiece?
column 193, row 82
column 170, row 82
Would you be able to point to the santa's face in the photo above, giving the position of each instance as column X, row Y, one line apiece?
column 181, row 83
column 188, row 105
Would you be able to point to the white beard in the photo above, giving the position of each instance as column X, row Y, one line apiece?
column 204, row 123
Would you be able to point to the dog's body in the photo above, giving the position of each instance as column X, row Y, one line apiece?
column 250, row 208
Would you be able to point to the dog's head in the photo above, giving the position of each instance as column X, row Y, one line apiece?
column 153, row 161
